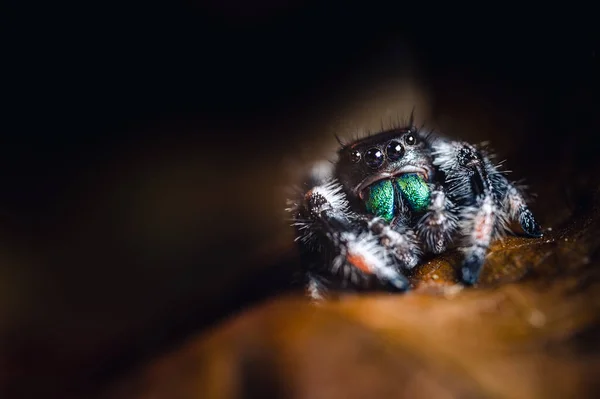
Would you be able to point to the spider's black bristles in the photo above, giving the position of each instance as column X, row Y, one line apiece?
column 404, row 122
column 428, row 136
column 401, row 123
column 411, row 120
column 339, row 140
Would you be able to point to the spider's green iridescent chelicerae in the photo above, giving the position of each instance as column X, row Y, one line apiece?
column 382, row 200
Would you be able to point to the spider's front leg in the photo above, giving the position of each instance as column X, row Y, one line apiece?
column 339, row 243
column 488, row 201
column 399, row 240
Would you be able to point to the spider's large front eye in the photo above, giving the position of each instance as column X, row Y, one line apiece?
column 374, row 158
column 394, row 150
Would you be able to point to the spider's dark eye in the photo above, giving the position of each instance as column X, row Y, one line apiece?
column 394, row 150
column 355, row 156
column 374, row 158
column 410, row 139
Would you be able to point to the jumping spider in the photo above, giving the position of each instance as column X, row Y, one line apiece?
column 396, row 196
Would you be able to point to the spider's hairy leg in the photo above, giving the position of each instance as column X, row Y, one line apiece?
column 436, row 228
column 477, row 226
column 315, row 289
column 517, row 209
column 322, row 209
column 470, row 177
column 366, row 253
column 326, row 226
column 399, row 239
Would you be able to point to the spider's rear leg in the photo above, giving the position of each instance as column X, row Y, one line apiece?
column 326, row 227
column 517, row 210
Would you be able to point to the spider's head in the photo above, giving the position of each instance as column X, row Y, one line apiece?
column 385, row 155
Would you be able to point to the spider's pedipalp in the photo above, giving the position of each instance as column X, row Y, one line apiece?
column 438, row 225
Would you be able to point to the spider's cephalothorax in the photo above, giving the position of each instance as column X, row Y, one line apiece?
column 395, row 196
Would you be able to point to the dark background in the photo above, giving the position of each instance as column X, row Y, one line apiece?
column 121, row 110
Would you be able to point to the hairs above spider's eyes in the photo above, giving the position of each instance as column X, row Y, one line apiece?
column 394, row 150
column 374, row 158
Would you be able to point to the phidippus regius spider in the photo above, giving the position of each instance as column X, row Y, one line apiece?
column 394, row 197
